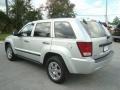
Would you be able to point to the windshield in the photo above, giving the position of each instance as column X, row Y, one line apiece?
column 94, row 29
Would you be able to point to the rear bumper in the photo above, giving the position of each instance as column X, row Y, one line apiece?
column 89, row 65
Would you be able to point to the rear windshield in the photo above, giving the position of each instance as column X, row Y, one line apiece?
column 94, row 29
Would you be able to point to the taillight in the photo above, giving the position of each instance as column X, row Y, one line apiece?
column 85, row 48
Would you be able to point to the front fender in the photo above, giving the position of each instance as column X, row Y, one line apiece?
column 9, row 39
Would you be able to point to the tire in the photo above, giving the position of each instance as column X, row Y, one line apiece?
column 56, row 69
column 10, row 53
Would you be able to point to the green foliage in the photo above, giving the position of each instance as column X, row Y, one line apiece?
column 32, row 15
column 3, row 17
column 116, row 21
column 3, row 36
column 5, row 22
column 60, row 8
column 22, row 12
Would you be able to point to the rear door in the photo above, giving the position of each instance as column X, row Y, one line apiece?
column 100, row 39
column 41, row 40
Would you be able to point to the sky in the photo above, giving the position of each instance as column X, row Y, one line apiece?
column 88, row 9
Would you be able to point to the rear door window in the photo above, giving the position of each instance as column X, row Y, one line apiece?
column 94, row 29
column 42, row 29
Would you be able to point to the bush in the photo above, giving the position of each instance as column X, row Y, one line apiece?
column 3, row 36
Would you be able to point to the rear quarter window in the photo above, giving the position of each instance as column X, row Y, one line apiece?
column 63, row 29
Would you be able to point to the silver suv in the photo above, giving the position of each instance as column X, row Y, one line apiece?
column 64, row 46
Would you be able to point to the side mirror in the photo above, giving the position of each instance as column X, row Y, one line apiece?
column 16, row 33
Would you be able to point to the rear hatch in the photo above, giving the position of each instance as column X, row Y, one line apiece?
column 101, row 40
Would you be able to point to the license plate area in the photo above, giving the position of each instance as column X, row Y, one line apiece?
column 105, row 48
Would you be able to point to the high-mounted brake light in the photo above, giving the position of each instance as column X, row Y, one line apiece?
column 85, row 48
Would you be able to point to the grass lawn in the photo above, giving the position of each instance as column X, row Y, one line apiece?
column 3, row 36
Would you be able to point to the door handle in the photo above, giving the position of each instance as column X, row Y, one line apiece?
column 45, row 42
column 26, row 41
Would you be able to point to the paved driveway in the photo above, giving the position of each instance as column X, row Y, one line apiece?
column 24, row 75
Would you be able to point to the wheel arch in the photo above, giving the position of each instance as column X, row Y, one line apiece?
column 50, row 54
column 11, row 43
column 6, row 43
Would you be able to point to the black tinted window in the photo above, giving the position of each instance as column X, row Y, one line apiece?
column 42, row 30
column 63, row 30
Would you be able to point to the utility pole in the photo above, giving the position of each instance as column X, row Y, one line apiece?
column 6, row 2
column 106, row 14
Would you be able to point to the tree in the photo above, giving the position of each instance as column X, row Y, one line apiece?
column 5, row 22
column 21, row 11
column 116, row 21
column 60, row 8
column 32, row 15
